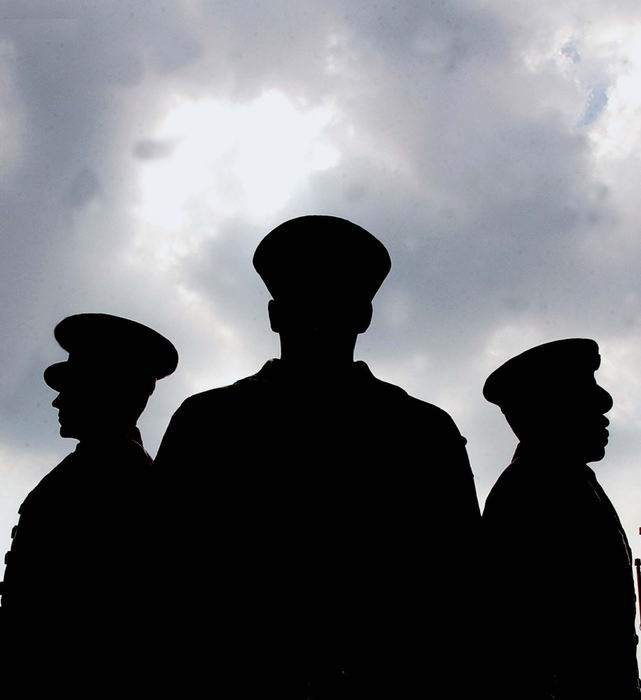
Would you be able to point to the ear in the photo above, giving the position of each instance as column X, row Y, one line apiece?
column 364, row 318
column 274, row 315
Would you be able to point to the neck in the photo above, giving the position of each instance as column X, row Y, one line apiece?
column 326, row 354
column 556, row 452
column 108, row 434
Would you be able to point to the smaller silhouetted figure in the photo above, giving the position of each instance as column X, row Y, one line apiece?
column 559, row 592
column 76, row 594
column 322, row 516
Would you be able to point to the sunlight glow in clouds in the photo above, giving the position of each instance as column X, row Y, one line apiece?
column 222, row 159
column 619, row 134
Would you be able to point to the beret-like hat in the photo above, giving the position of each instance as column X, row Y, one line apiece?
column 542, row 369
column 110, row 343
column 322, row 255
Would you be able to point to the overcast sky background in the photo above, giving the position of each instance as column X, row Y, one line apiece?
column 147, row 147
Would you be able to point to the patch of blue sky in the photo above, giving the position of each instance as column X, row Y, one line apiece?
column 597, row 102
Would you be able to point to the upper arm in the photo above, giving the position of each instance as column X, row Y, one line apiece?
column 173, row 450
column 452, row 459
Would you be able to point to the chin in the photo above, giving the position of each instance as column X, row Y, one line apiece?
column 596, row 454
column 69, row 432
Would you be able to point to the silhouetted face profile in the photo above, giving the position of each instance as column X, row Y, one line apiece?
column 100, row 404
column 574, row 423
column 322, row 272
column 112, row 370
column 587, row 426
column 80, row 407
column 551, row 399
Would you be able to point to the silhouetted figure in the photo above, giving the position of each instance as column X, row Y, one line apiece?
column 322, row 512
column 75, row 601
column 559, row 592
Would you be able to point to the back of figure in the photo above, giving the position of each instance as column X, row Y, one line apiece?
column 321, row 530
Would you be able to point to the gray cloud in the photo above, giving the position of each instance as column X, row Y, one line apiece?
column 150, row 149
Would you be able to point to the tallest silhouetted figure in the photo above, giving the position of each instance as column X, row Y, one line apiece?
column 322, row 512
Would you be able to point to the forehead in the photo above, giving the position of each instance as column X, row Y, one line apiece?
column 89, row 371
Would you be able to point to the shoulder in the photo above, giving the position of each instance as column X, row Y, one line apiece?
column 222, row 406
column 120, row 459
column 434, row 413
column 52, row 484
column 412, row 408
column 528, row 488
column 206, row 400
column 94, row 469
column 511, row 485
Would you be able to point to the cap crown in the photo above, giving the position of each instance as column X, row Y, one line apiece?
column 105, row 344
column 320, row 256
column 543, row 369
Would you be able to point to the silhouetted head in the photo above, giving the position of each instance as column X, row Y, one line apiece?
column 322, row 272
column 551, row 399
column 110, row 374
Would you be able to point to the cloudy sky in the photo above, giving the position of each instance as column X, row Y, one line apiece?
column 146, row 148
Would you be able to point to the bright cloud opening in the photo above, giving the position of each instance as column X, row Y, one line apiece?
column 618, row 136
column 220, row 159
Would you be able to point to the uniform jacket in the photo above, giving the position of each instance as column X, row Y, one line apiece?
column 559, row 587
column 320, row 522
column 74, row 591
